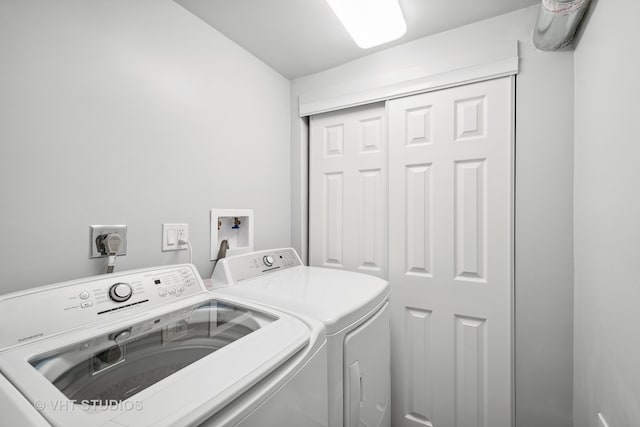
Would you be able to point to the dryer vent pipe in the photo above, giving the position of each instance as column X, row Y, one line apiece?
column 557, row 23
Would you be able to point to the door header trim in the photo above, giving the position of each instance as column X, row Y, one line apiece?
column 501, row 61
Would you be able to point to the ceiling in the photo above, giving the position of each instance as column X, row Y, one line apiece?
column 301, row 37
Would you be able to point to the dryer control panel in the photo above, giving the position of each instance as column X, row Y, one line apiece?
column 65, row 306
column 255, row 264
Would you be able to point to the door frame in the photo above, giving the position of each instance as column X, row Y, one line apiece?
column 333, row 99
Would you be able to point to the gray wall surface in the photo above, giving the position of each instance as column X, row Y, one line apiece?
column 544, row 179
column 607, row 217
column 130, row 112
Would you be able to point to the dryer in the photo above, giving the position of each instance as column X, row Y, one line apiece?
column 153, row 347
column 354, row 309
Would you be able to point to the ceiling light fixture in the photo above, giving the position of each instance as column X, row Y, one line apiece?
column 370, row 22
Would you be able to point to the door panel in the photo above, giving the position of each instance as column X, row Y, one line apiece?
column 417, row 365
column 333, row 241
column 450, row 262
column 348, row 182
column 372, row 253
column 470, row 371
column 419, row 226
column 470, row 219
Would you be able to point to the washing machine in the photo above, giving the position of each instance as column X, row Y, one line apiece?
column 154, row 347
column 354, row 309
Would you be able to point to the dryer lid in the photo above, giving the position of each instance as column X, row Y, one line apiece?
column 337, row 298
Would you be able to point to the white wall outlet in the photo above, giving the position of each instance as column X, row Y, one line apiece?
column 172, row 234
column 98, row 230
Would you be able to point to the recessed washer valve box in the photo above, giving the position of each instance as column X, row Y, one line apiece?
column 236, row 227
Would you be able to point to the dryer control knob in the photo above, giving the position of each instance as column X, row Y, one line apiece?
column 268, row 260
column 120, row 292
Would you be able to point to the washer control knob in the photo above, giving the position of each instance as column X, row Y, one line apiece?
column 268, row 260
column 120, row 292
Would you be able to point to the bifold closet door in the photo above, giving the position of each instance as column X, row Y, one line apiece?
column 348, row 190
column 450, row 256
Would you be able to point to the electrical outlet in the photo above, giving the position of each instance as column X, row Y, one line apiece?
column 172, row 234
column 97, row 230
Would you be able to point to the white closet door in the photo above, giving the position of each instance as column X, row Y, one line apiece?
column 450, row 256
column 348, row 190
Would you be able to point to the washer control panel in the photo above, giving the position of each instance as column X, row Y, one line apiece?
column 242, row 267
column 61, row 307
column 177, row 284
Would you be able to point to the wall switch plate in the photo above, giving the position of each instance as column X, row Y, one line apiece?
column 172, row 234
column 96, row 230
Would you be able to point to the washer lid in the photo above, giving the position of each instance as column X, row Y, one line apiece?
column 185, row 397
column 336, row 297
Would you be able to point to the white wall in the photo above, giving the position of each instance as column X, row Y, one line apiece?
column 131, row 112
column 607, row 217
column 544, row 159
